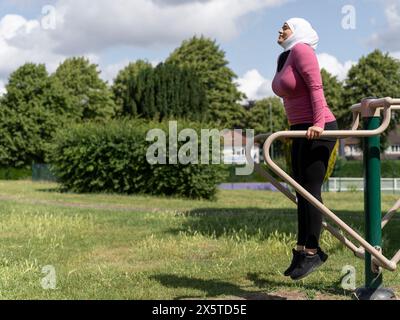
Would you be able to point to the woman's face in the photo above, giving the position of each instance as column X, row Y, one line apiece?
column 284, row 33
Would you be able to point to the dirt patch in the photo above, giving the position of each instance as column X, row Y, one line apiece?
column 289, row 295
column 285, row 295
column 278, row 295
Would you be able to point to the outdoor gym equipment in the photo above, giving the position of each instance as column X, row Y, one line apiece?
column 369, row 249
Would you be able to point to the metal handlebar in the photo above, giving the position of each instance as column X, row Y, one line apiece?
column 367, row 107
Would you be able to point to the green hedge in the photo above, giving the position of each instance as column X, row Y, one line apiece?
column 112, row 158
column 255, row 176
column 41, row 172
column 343, row 168
column 354, row 168
column 15, row 173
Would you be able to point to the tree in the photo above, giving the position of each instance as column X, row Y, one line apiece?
column 167, row 91
column 34, row 106
column 208, row 62
column 147, row 107
column 259, row 116
column 91, row 98
column 376, row 75
column 125, row 78
column 333, row 90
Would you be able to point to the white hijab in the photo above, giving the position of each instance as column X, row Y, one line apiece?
column 302, row 32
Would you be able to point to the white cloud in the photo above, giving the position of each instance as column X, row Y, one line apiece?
column 392, row 12
column 23, row 41
column 11, row 25
column 254, row 85
column 155, row 63
column 87, row 27
column 389, row 39
column 100, row 24
column 2, row 87
column 334, row 66
column 12, row 55
column 110, row 72
column 395, row 55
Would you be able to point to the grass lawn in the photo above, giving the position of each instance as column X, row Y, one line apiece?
column 140, row 247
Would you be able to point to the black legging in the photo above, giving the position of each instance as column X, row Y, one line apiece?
column 309, row 164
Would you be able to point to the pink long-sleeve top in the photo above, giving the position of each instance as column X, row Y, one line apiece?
column 299, row 83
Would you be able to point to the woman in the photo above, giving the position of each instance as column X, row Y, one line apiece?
column 298, row 81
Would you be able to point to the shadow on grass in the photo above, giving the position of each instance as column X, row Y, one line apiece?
column 51, row 190
column 219, row 222
column 241, row 224
column 252, row 223
column 330, row 289
column 279, row 290
column 212, row 288
column 260, row 224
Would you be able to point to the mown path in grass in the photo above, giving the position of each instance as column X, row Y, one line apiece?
column 141, row 247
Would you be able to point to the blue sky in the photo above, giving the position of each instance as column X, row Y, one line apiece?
column 112, row 33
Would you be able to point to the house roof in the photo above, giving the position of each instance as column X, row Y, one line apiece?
column 234, row 138
column 393, row 137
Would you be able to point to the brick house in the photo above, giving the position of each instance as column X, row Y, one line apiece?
column 234, row 149
column 350, row 147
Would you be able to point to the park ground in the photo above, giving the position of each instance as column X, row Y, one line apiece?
column 108, row 246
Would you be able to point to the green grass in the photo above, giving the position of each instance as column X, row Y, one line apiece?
column 140, row 247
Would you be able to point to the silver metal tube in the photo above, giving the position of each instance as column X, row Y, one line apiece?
column 292, row 197
column 390, row 213
column 336, row 233
column 315, row 202
column 387, row 104
column 356, row 121
column 275, row 183
column 396, row 257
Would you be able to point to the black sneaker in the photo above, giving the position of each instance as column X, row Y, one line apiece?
column 308, row 264
column 322, row 254
column 293, row 265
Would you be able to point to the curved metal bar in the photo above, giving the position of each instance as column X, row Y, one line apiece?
column 396, row 257
column 386, row 103
column 390, row 213
column 356, row 120
column 336, row 233
column 385, row 221
column 261, row 139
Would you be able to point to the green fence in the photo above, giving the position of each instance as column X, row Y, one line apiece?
column 41, row 172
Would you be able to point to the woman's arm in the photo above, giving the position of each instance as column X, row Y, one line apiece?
column 307, row 65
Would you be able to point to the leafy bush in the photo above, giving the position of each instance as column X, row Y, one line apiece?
column 15, row 173
column 354, row 168
column 112, row 158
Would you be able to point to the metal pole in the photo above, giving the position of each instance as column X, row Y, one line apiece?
column 372, row 209
column 372, row 198
column 271, row 127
